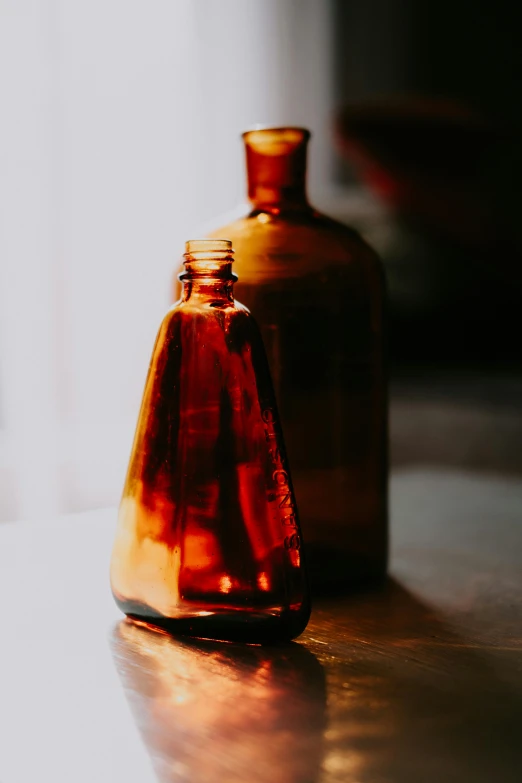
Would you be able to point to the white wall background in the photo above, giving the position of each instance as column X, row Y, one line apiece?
column 119, row 135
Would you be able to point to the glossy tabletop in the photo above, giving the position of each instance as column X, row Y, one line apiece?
column 420, row 680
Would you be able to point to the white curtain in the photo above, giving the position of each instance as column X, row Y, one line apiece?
column 119, row 136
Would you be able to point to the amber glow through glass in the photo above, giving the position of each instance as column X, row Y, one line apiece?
column 208, row 540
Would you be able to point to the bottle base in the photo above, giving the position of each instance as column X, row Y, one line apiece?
column 253, row 627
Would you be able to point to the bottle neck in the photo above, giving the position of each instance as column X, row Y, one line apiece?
column 207, row 277
column 276, row 168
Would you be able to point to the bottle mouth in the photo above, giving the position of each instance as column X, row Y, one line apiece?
column 275, row 140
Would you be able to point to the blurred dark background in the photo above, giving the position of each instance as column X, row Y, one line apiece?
column 429, row 119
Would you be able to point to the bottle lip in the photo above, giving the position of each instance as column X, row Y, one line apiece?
column 208, row 246
column 285, row 134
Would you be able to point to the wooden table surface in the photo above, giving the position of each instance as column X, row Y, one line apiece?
column 419, row 681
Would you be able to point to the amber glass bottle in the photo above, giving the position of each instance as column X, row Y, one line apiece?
column 317, row 292
column 208, row 540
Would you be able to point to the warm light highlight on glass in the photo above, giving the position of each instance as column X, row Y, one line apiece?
column 208, row 540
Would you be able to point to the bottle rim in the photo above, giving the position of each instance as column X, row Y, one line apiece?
column 208, row 247
column 289, row 133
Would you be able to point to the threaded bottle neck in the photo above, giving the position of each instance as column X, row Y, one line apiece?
column 208, row 270
column 276, row 167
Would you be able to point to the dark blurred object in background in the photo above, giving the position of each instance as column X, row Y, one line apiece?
column 426, row 159
column 426, row 121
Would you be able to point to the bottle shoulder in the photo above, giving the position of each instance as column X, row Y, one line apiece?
column 185, row 309
column 296, row 244
column 294, row 221
column 189, row 326
column 182, row 312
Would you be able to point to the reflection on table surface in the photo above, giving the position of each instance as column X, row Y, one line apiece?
column 406, row 699
column 213, row 711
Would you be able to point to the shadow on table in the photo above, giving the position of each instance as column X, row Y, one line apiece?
column 409, row 699
column 210, row 711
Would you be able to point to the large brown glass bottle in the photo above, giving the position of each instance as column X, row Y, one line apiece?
column 208, row 540
column 317, row 292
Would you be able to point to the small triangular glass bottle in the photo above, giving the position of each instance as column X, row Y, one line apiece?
column 208, row 541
